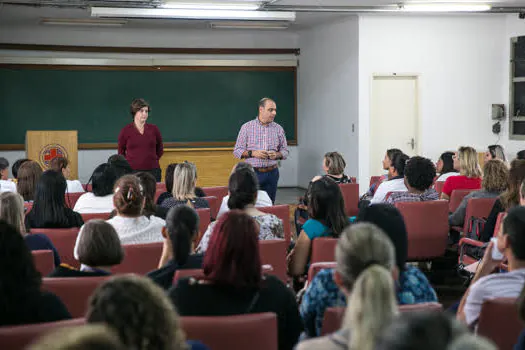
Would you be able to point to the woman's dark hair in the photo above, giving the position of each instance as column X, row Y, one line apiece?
column 99, row 245
column 448, row 163
column 420, row 173
column 128, row 198
column 58, row 163
column 389, row 219
column 28, row 175
column 521, row 155
column 232, row 258
column 149, row 188
column 326, row 204
column 399, row 162
column 390, row 153
column 168, row 178
column 511, row 197
column 182, row 223
column 136, row 105
column 120, row 164
column 103, row 179
column 16, row 166
column 20, row 285
column 243, row 189
column 49, row 204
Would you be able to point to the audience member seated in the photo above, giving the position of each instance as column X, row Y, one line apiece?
column 61, row 165
column 508, row 199
column 6, row 185
column 419, row 177
column 149, row 187
column 495, row 179
column 12, row 212
column 233, row 282
column 520, row 155
column 387, row 163
column 182, row 226
column 28, row 175
column 263, row 200
column 120, row 164
column 132, row 227
column 431, row 331
column 183, row 193
column 16, row 165
column 100, row 200
column 86, row 337
column 21, row 299
column 327, row 219
column 466, row 160
column 49, row 207
column 366, row 265
column 396, row 179
column 140, row 312
column 242, row 187
column 412, row 285
column 495, row 152
column 445, row 166
column 98, row 250
column 168, row 181
column 485, row 285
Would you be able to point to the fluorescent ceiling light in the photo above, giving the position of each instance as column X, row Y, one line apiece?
column 211, row 6
column 87, row 22
column 445, row 7
column 117, row 12
column 248, row 25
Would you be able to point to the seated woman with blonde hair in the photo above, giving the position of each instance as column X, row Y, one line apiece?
column 469, row 178
column 184, row 182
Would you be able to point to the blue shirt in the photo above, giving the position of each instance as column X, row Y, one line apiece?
column 316, row 229
column 39, row 241
column 322, row 293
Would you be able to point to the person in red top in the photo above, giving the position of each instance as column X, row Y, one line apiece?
column 141, row 143
column 469, row 178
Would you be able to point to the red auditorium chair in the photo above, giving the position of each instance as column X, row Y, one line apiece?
column 273, row 252
column 72, row 198
column 283, row 213
column 220, row 192
column 438, row 186
column 248, row 331
column 455, row 199
column 44, row 261
column 477, row 208
column 215, row 205
column 499, row 321
column 73, row 291
column 375, row 179
column 19, row 337
column 204, row 222
column 316, row 267
column 351, row 197
column 139, row 258
column 91, row 216
column 323, row 249
column 64, row 241
column 427, row 228
column 160, row 189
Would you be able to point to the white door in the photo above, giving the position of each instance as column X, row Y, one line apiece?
column 393, row 118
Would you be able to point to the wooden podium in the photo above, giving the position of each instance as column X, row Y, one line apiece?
column 42, row 146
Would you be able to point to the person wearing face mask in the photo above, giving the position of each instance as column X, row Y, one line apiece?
column 141, row 142
column 261, row 143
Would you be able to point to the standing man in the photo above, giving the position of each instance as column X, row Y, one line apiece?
column 262, row 142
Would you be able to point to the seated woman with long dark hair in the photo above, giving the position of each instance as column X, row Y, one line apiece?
column 100, row 200
column 149, row 187
column 49, row 207
column 21, row 299
column 445, row 166
column 233, row 282
column 28, row 176
column 182, row 226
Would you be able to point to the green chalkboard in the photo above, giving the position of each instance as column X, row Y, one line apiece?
column 189, row 105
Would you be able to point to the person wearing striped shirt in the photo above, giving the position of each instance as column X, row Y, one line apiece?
column 261, row 143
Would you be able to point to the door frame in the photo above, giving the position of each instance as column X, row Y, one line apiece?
column 415, row 77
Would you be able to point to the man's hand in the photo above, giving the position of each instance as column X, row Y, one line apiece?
column 260, row 154
column 274, row 155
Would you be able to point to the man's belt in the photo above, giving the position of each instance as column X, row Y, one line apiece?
column 266, row 169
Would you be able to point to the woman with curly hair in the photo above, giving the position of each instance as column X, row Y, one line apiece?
column 140, row 312
column 21, row 299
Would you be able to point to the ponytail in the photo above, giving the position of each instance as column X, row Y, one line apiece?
column 128, row 198
column 181, row 240
column 372, row 305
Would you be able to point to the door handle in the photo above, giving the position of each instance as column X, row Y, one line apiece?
column 412, row 143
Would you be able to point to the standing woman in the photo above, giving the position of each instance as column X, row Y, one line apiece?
column 141, row 143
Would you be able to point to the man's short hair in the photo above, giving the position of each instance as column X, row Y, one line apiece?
column 514, row 227
column 398, row 163
column 420, row 173
column 4, row 163
column 262, row 101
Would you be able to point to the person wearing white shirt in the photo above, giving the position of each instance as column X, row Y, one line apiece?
column 101, row 199
column 396, row 179
column 5, row 184
column 61, row 165
column 445, row 167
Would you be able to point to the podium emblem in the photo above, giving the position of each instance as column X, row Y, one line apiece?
column 51, row 151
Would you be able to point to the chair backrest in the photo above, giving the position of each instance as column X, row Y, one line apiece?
column 318, row 266
column 353, row 179
column 283, row 213
column 19, row 337
column 427, row 228
column 323, row 249
column 72, row 198
column 333, row 316
column 220, row 192
column 455, row 199
column 438, row 186
column 350, row 194
column 73, row 291
column 248, row 331
column 499, row 321
column 477, row 208
column 273, row 252
column 215, row 205
column 88, row 187
column 139, row 258
column 374, row 179
column 91, row 216
column 204, row 222
column 44, row 261
column 183, row 273
column 161, row 186
column 64, row 241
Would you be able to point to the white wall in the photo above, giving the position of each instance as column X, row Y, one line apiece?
column 460, row 62
column 328, row 73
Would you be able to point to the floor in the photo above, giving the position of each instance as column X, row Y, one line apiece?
column 288, row 195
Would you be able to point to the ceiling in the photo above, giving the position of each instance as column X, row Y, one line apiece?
column 309, row 12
